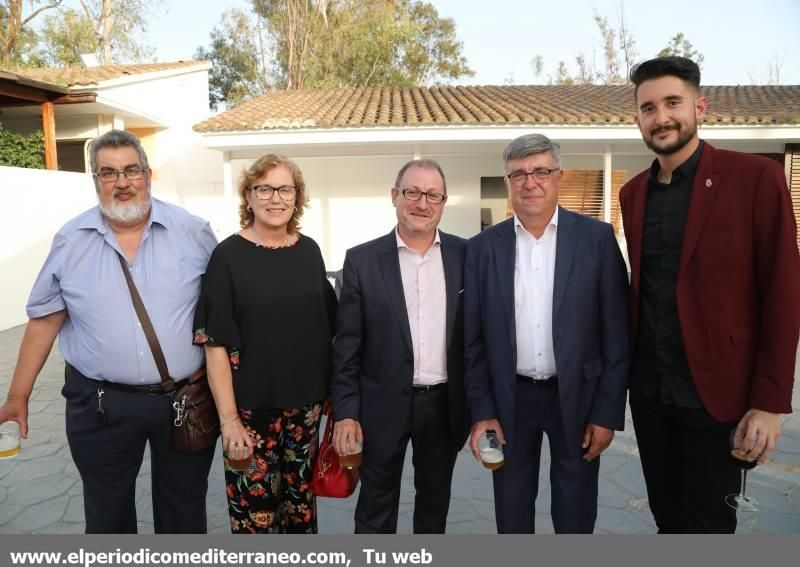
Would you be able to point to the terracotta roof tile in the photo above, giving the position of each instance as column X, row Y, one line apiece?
column 80, row 76
column 497, row 105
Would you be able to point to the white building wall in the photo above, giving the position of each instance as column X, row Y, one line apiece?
column 29, row 218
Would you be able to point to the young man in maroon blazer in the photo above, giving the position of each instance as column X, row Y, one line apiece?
column 714, row 304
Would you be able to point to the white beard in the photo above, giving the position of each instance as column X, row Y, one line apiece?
column 126, row 213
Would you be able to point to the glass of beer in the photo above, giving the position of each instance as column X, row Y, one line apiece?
column 491, row 451
column 353, row 459
column 10, row 441
column 241, row 465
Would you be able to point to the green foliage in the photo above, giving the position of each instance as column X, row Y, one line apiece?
column 331, row 43
column 18, row 42
column 17, row 150
column 109, row 29
column 682, row 47
column 237, row 55
column 66, row 36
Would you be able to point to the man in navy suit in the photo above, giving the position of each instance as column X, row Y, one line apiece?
column 546, row 347
column 399, row 357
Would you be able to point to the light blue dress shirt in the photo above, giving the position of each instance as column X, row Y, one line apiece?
column 102, row 337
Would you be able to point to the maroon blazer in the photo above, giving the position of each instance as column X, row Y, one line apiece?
column 738, row 282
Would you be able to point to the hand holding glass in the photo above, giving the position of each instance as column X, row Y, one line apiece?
column 10, row 443
column 741, row 501
column 491, row 450
column 353, row 459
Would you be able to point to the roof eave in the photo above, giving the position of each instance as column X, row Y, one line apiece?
column 243, row 140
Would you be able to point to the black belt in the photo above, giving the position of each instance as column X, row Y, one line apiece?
column 419, row 389
column 146, row 389
column 545, row 382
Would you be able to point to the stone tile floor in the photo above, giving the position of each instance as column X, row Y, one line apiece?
column 40, row 490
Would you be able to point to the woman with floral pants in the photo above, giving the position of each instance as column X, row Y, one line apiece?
column 266, row 318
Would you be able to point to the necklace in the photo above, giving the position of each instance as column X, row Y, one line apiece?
column 259, row 243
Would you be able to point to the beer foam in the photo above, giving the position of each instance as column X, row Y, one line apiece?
column 9, row 445
column 491, row 455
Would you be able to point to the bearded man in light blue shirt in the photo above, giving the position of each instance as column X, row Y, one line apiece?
column 115, row 403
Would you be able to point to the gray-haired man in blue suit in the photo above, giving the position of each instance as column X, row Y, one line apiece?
column 546, row 345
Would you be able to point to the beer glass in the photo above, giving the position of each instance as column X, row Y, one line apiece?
column 491, row 451
column 242, row 466
column 352, row 460
column 10, row 441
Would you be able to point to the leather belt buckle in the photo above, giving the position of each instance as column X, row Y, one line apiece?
column 541, row 381
column 428, row 388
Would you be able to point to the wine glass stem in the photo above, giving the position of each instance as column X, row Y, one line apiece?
column 744, row 483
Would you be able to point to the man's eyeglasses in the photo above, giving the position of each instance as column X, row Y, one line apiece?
column 416, row 195
column 539, row 174
column 264, row 192
column 108, row 174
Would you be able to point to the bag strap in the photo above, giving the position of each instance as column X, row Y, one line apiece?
column 147, row 326
column 327, row 411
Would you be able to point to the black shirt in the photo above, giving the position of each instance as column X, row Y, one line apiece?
column 660, row 368
column 275, row 312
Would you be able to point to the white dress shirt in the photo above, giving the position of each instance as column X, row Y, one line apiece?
column 426, row 303
column 534, row 270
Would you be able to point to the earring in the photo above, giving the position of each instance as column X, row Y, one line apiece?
column 295, row 209
column 249, row 209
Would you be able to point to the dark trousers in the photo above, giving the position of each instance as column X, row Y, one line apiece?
column 434, row 456
column 573, row 481
column 686, row 465
column 108, row 458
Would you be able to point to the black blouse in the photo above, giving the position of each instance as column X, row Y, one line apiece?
column 275, row 312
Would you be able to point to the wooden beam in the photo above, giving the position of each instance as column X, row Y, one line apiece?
column 23, row 93
column 49, row 129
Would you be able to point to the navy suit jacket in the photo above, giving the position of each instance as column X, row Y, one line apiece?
column 589, row 326
column 373, row 356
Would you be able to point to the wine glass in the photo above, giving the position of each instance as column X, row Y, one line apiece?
column 741, row 501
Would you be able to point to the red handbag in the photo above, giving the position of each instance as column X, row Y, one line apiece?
column 330, row 479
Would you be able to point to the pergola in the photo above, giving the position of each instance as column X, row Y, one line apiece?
column 16, row 90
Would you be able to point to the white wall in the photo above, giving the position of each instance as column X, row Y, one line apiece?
column 34, row 204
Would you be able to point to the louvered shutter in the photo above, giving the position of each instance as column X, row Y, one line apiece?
column 793, row 174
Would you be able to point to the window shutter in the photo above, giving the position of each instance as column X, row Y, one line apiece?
column 793, row 177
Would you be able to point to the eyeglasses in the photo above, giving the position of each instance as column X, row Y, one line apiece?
column 264, row 192
column 132, row 173
column 539, row 174
column 416, row 195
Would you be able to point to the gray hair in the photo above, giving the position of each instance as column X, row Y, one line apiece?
column 531, row 144
column 424, row 164
column 116, row 139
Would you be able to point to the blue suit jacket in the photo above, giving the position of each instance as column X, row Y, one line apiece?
column 589, row 326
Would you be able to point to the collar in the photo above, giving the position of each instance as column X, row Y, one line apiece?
column 402, row 244
column 553, row 221
column 686, row 170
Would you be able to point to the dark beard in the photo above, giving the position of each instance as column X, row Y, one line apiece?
column 685, row 136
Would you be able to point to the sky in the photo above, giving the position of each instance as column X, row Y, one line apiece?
column 738, row 38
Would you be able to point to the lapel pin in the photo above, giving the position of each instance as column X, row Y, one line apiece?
column 708, row 182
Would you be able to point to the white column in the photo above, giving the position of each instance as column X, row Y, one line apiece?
column 607, row 189
column 227, row 178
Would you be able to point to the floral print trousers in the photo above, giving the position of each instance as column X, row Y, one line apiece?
column 274, row 494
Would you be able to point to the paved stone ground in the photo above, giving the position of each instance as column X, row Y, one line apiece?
column 40, row 490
